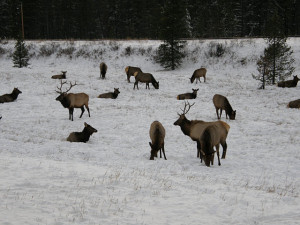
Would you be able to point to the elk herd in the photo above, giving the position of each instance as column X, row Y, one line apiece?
column 208, row 135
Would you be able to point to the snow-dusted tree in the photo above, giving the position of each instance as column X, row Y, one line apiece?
column 276, row 63
column 20, row 55
column 173, row 27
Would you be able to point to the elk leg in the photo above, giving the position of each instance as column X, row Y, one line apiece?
column 128, row 78
column 217, row 111
column 163, row 149
column 204, row 79
column 218, row 153
column 221, row 110
column 224, row 146
column 136, row 84
column 147, row 84
column 82, row 111
column 88, row 109
column 198, row 150
column 71, row 110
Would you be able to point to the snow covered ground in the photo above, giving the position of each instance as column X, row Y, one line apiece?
column 110, row 180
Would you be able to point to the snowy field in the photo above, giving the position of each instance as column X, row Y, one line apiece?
column 110, row 180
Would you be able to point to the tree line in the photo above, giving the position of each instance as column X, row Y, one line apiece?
column 126, row 19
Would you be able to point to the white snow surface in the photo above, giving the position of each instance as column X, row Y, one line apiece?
column 45, row 179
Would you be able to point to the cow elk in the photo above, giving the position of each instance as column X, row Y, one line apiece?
column 157, row 135
column 192, row 95
column 197, row 74
column 289, row 83
column 83, row 136
column 212, row 136
column 195, row 128
column 10, row 97
column 130, row 70
column 112, row 95
column 60, row 76
column 145, row 78
column 103, row 69
column 222, row 103
column 71, row 101
column 294, row 104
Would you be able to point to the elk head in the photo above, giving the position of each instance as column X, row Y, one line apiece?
column 62, row 93
column 184, row 111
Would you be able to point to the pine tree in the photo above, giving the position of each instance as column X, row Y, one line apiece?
column 173, row 27
column 276, row 63
column 20, row 55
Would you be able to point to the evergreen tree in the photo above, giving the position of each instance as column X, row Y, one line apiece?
column 20, row 55
column 276, row 63
column 173, row 27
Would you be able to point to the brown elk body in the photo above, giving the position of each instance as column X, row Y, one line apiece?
column 83, row 136
column 212, row 136
column 222, row 103
column 10, row 97
column 130, row 70
column 157, row 135
column 145, row 78
column 294, row 104
column 289, row 83
column 112, row 95
column 195, row 128
column 60, row 76
column 197, row 74
column 192, row 95
column 103, row 70
column 71, row 101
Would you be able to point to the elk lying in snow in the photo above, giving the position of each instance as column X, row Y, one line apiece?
column 112, row 95
column 10, row 97
column 188, row 95
column 195, row 128
column 197, row 74
column 294, row 104
column 221, row 103
column 157, row 135
column 145, row 78
column 103, row 69
column 130, row 70
column 60, row 76
column 71, row 101
column 289, row 83
column 83, row 136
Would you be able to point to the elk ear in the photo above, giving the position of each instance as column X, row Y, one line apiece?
column 85, row 124
column 197, row 89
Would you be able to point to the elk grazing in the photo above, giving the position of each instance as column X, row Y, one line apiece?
column 130, row 70
column 83, row 136
column 188, row 95
column 103, row 69
column 71, row 101
column 145, row 78
column 112, row 95
column 60, row 76
column 157, row 135
column 195, row 128
column 197, row 74
column 294, row 104
column 289, row 83
column 221, row 102
column 213, row 135
column 10, row 97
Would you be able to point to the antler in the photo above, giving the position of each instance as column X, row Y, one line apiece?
column 61, row 85
column 186, row 103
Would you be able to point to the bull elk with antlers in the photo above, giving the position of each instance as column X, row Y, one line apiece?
column 71, row 101
column 195, row 130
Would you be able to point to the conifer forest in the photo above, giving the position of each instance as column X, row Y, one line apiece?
column 139, row 19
